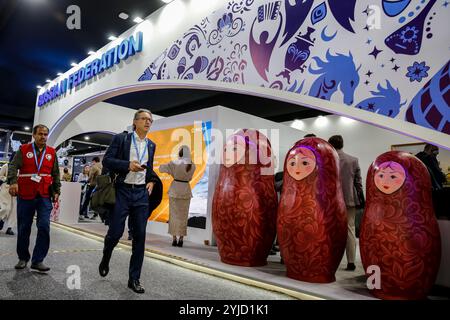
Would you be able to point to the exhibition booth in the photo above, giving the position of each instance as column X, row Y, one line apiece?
column 312, row 54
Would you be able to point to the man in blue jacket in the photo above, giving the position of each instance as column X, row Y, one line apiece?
column 130, row 158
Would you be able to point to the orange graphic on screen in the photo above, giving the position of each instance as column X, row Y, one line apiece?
column 168, row 142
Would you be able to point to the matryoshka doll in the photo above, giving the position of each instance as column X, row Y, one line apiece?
column 399, row 232
column 312, row 218
column 245, row 202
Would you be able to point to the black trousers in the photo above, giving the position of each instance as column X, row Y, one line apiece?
column 131, row 203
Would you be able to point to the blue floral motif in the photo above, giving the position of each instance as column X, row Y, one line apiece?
column 417, row 71
column 225, row 21
column 409, row 34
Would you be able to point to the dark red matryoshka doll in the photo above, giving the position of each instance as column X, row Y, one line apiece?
column 399, row 232
column 244, row 209
column 312, row 218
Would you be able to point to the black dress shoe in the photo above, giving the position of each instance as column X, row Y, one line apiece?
column 180, row 243
column 350, row 267
column 40, row 267
column 135, row 286
column 103, row 268
column 174, row 243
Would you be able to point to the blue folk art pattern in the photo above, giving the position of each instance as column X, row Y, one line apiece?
column 385, row 101
column 417, row 71
column 325, row 49
column 337, row 71
column 430, row 108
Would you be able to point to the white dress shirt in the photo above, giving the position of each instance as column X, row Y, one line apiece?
column 141, row 144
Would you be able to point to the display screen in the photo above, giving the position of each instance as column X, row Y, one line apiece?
column 168, row 141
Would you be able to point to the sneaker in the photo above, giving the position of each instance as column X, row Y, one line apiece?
column 20, row 265
column 9, row 232
column 40, row 267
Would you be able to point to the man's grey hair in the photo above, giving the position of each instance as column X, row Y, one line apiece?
column 137, row 113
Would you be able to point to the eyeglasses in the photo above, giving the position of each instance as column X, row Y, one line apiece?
column 146, row 119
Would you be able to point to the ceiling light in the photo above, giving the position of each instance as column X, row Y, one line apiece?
column 123, row 16
column 48, row 81
column 112, row 38
column 73, row 64
column 298, row 124
column 166, row 1
column 138, row 20
column 89, row 147
column 27, row 128
column 321, row 121
column 39, row 87
column 86, row 138
column 91, row 52
column 59, row 74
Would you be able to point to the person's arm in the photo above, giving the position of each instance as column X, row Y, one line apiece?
column 358, row 180
column 13, row 166
column 111, row 159
column 151, row 174
column 56, row 185
column 4, row 173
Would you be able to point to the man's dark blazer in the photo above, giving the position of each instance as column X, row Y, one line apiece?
column 117, row 161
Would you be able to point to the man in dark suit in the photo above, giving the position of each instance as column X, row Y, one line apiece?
column 130, row 158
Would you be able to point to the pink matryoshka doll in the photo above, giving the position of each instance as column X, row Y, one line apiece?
column 312, row 218
column 399, row 231
column 244, row 208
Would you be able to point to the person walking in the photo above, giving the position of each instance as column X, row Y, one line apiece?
column 351, row 183
column 130, row 159
column 94, row 171
column 38, row 180
column 8, row 204
column 180, row 194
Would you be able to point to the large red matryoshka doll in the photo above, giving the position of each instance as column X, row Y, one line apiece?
column 245, row 202
column 399, row 231
column 312, row 218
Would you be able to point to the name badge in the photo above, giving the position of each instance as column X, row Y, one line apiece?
column 36, row 178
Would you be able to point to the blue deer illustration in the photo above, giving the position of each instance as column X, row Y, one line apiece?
column 385, row 101
column 338, row 70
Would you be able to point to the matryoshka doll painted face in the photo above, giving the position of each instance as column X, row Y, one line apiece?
column 389, row 177
column 234, row 151
column 301, row 163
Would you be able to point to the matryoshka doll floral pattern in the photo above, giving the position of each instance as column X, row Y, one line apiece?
column 245, row 202
column 399, row 231
column 312, row 218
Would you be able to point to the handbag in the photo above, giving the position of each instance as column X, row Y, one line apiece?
column 104, row 192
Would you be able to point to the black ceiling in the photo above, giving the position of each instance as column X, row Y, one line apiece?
column 36, row 44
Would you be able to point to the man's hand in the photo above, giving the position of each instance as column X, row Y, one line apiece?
column 135, row 166
column 150, row 186
column 14, row 189
column 56, row 197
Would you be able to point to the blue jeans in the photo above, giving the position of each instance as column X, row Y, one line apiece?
column 25, row 214
column 133, row 203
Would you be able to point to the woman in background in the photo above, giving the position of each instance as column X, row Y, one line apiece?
column 180, row 193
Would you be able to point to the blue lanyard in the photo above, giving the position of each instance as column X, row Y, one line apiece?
column 35, row 158
column 140, row 158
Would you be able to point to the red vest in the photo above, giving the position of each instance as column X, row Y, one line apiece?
column 28, row 189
